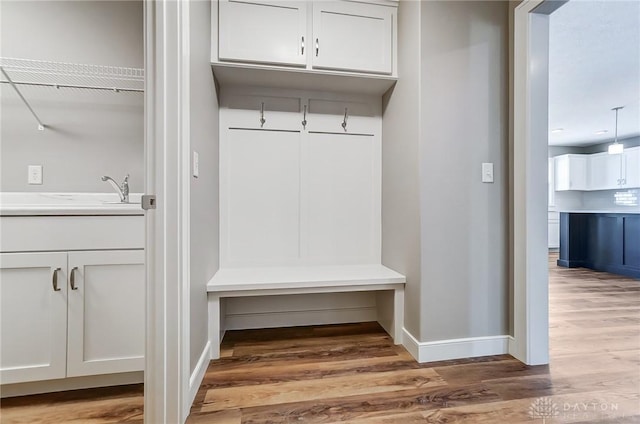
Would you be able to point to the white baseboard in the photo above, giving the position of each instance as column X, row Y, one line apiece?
column 411, row 344
column 71, row 383
column 198, row 375
column 443, row 350
column 299, row 318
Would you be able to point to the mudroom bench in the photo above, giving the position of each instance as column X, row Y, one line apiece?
column 274, row 281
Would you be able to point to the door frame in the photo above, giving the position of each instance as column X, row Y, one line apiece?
column 167, row 175
column 529, row 171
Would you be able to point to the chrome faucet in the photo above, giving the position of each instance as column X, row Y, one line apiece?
column 123, row 190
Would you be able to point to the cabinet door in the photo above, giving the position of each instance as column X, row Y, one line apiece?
column 553, row 230
column 106, row 312
column 263, row 31
column 632, row 168
column 341, row 189
column 33, row 312
column 259, row 197
column 571, row 172
column 352, row 36
column 604, row 171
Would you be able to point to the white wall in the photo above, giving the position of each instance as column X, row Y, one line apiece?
column 90, row 133
column 464, row 118
column 204, row 189
column 400, row 168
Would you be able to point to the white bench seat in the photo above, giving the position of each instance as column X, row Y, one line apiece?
column 269, row 281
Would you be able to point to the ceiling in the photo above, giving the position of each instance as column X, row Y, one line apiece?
column 594, row 65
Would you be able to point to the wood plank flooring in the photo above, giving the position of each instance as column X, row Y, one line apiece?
column 353, row 373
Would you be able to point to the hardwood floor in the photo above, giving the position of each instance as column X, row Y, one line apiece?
column 353, row 373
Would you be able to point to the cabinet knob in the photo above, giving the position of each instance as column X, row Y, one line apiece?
column 55, row 279
column 304, row 118
column 317, row 47
column 262, row 120
column 302, row 46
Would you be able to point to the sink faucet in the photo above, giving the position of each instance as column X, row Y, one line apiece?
column 123, row 190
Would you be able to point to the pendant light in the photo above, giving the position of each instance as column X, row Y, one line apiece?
column 616, row 148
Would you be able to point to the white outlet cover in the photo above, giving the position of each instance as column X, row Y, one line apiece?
column 487, row 172
column 196, row 164
column 34, row 174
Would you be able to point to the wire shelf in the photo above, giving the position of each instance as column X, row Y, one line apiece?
column 72, row 75
column 29, row 72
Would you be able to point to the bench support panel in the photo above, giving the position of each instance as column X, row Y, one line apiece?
column 389, row 299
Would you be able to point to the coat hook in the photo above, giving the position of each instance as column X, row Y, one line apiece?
column 262, row 120
column 304, row 118
column 344, row 122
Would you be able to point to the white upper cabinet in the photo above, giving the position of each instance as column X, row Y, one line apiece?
column 631, row 171
column 608, row 172
column 338, row 45
column 352, row 36
column 263, row 31
column 604, row 171
column 571, row 172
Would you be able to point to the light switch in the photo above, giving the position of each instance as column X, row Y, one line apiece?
column 487, row 172
column 34, row 174
column 196, row 164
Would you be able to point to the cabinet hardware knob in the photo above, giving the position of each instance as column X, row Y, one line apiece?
column 262, row 120
column 317, row 47
column 72, row 278
column 344, row 121
column 302, row 46
column 304, row 117
column 55, row 279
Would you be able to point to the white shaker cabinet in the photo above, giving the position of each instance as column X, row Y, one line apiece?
column 353, row 37
column 261, row 31
column 605, row 171
column 571, row 172
column 106, row 312
column 610, row 172
column 632, row 168
column 71, row 314
column 33, row 313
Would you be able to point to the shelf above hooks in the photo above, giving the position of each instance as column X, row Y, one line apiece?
column 41, row 73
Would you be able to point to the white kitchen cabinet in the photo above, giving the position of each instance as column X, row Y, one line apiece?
column 33, row 296
column 571, row 172
column 71, row 314
column 353, row 37
column 605, row 171
column 553, row 236
column 631, row 176
column 261, row 31
column 610, row 172
column 106, row 312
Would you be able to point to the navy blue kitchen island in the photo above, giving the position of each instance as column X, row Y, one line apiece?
column 603, row 241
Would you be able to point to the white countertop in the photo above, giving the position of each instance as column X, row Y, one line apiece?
column 630, row 211
column 27, row 204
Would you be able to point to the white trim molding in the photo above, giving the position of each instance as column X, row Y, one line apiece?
column 443, row 350
column 529, row 195
column 198, row 375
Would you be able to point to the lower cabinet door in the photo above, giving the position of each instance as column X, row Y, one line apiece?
column 33, row 316
column 106, row 311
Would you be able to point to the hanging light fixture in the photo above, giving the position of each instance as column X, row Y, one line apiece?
column 616, row 148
